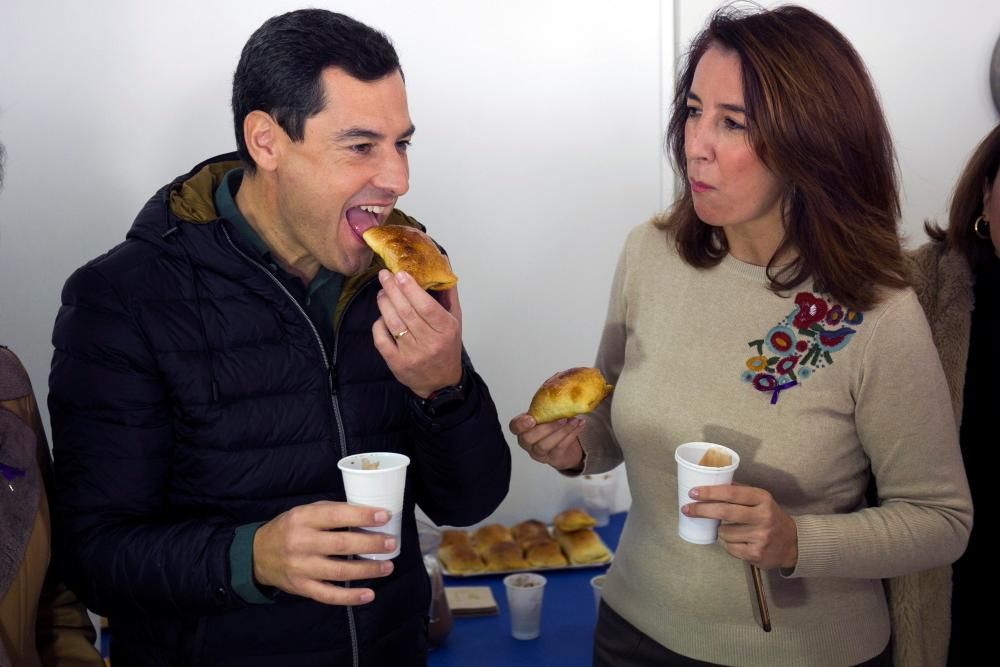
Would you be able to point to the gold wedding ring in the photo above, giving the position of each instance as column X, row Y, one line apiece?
column 401, row 334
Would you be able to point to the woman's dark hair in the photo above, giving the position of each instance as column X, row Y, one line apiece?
column 967, row 203
column 281, row 66
column 814, row 119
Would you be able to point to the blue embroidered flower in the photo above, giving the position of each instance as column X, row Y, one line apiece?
column 831, row 341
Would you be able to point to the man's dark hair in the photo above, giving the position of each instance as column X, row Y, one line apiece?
column 281, row 66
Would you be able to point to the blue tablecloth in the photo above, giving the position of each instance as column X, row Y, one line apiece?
column 568, row 620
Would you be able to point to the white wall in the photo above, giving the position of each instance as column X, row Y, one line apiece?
column 930, row 62
column 538, row 146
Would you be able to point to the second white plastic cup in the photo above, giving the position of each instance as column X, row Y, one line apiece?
column 599, row 495
column 597, row 584
column 377, row 479
column 689, row 475
column 524, row 598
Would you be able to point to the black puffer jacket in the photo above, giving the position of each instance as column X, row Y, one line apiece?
column 190, row 394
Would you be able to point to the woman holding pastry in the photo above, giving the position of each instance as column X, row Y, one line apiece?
column 767, row 311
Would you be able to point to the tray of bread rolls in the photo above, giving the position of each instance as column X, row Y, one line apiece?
column 570, row 542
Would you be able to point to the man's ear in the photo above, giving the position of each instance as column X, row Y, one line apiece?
column 262, row 136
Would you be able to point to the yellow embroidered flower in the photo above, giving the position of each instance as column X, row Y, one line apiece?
column 757, row 364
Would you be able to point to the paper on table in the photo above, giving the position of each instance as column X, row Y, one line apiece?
column 471, row 600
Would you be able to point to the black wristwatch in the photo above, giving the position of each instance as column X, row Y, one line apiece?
column 447, row 399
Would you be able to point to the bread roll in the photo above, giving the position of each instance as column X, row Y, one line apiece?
column 489, row 535
column 409, row 249
column 529, row 531
column 573, row 519
column 455, row 537
column 544, row 552
column 505, row 556
column 569, row 393
column 583, row 546
column 460, row 559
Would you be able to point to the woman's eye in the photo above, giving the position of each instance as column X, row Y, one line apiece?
column 693, row 111
column 733, row 125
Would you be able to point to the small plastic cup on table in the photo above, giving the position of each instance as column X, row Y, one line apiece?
column 524, row 599
column 597, row 584
column 599, row 495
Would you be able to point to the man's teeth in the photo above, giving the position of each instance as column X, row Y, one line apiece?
column 373, row 209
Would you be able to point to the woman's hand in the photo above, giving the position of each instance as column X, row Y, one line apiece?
column 556, row 443
column 753, row 527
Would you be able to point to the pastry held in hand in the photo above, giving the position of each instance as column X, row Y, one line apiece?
column 409, row 249
column 572, row 392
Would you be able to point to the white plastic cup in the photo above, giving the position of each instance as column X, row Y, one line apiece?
column 689, row 475
column 524, row 598
column 599, row 495
column 377, row 479
column 597, row 585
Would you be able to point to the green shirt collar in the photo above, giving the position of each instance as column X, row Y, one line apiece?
column 225, row 206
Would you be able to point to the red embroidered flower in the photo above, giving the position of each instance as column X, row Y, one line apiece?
column 764, row 382
column 811, row 310
column 801, row 346
column 780, row 340
column 785, row 366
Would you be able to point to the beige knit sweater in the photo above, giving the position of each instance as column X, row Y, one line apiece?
column 812, row 396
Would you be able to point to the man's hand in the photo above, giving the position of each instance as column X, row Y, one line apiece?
column 419, row 336
column 754, row 528
column 298, row 551
column 556, row 443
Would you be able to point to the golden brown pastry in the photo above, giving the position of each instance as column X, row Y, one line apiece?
column 567, row 394
column 488, row 535
column 460, row 559
column 455, row 537
column 505, row 556
column 544, row 552
column 573, row 519
column 583, row 546
column 409, row 249
column 528, row 531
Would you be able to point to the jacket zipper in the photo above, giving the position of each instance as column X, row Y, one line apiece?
column 331, row 385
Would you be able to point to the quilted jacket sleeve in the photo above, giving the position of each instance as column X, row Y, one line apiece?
column 463, row 460
column 122, row 550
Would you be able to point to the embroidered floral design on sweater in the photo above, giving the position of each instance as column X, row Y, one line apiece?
column 800, row 344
